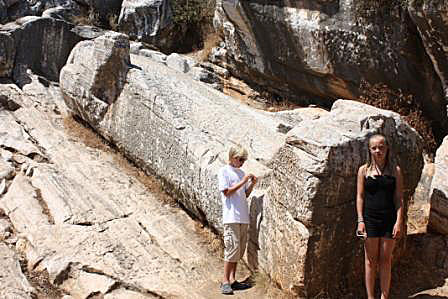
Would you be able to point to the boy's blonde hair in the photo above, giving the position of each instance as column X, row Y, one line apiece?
column 237, row 151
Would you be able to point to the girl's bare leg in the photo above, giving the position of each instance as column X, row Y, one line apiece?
column 385, row 264
column 372, row 252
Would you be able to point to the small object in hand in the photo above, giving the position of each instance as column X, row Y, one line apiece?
column 360, row 234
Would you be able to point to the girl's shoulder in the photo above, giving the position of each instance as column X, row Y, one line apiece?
column 362, row 169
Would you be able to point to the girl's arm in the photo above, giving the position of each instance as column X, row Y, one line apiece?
column 398, row 200
column 360, row 198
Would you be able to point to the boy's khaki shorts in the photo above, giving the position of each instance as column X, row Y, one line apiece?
column 235, row 239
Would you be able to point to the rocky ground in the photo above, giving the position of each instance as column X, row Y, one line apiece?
column 81, row 222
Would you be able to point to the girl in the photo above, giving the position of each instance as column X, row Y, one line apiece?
column 379, row 204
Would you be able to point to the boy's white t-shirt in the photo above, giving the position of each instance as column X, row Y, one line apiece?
column 234, row 207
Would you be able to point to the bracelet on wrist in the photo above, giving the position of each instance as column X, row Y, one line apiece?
column 360, row 220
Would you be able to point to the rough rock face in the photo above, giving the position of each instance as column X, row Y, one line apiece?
column 303, row 211
column 41, row 44
column 16, row 9
column 438, row 215
column 104, row 65
column 146, row 20
column 12, row 280
column 105, row 9
column 86, row 221
column 7, row 54
column 327, row 47
column 432, row 25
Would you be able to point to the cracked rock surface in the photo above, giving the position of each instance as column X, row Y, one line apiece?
column 92, row 229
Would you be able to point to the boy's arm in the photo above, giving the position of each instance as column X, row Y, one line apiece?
column 230, row 190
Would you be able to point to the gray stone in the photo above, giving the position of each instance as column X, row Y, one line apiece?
column 146, row 20
column 42, row 45
column 203, row 75
column 303, row 210
column 13, row 136
column 14, row 283
column 327, row 48
column 5, row 229
column 105, row 63
column 432, row 26
column 154, row 55
column 438, row 215
column 6, row 170
column 180, row 63
column 7, row 54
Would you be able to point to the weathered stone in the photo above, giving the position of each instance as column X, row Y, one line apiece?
column 146, row 20
column 154, row 55
column 438, row 215
column 63, row 13
column 42, row 45
column 220, row 71
column 21, row 203
column 7, row 54
column 203, row 75
column 13, row 282
column 432, row 25
column 5, row 229
column 180, row 63
column 328, row 48
column 18, row 9
column 6, row 170
column 14, row 137
column 10, row 97
column 105, row 63
column 104, row 10
column 181, row 130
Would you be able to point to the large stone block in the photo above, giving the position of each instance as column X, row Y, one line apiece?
column 327, row 48
column 41, row 44
column 438, row 215
column 303, row 210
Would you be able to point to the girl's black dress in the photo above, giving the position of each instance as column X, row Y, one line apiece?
column 379, row 208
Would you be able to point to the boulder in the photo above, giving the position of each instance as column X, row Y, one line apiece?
column 14, row 283
column 104, row 10
column 432, row 27
column 438, row 215
column 41, row 44
column 7, row 54
column 154, row 55
column 18, row 9
column 146, row 20
column 303, row 210
column 180, row 63
column 105, row 63
column 327, row 49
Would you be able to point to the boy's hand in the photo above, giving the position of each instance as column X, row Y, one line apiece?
column 247, row 177
column 254, row 180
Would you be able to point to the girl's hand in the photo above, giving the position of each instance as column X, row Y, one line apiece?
column 396, row 233
column 361, row 230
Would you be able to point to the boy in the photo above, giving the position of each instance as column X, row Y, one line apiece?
column 234, row 187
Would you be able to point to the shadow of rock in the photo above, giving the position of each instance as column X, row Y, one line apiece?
column 256, row 216
column 423, row 268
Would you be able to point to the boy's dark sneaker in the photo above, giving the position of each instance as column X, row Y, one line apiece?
column 238, row 286
column 226, row 289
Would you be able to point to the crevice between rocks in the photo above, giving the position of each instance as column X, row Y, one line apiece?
column 44, row 206
column 119, row 284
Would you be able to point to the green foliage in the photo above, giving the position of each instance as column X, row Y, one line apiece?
column 193, row 11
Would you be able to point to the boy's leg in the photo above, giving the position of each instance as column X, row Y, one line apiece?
column 231, row 251
column 229, row 272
